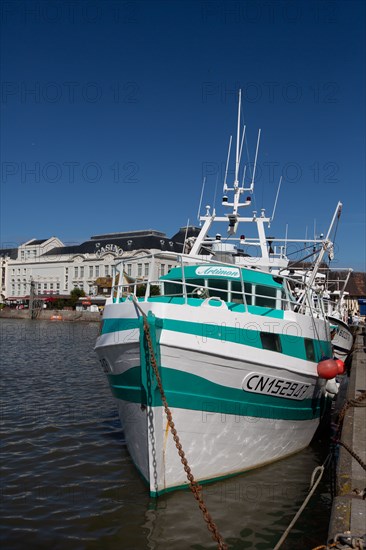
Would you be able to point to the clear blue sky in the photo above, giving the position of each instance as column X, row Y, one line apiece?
column 112, row 113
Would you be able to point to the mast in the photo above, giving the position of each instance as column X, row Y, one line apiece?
column 327, row 245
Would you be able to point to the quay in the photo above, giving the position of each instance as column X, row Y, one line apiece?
column 52, row 315
column 348, row 515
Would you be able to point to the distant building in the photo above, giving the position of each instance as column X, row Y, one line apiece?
column 6, row 254
column 355, row 291
column 56, row 269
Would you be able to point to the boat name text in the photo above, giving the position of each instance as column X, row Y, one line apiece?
column 271, row 385
column 218, row 271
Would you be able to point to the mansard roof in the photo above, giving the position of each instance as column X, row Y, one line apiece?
column 129, row 234
column 131, row 241
column 11, row 252
column 34, row 242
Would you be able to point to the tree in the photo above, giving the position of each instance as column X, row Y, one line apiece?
column 75, row 294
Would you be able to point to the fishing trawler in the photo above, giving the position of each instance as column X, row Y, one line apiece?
column 335, row 306
column 225, row 344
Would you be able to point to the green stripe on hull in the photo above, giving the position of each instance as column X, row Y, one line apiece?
column 292, row 345
column 188, row 391
column 119, row 324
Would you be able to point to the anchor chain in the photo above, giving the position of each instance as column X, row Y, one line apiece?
column 194, row 486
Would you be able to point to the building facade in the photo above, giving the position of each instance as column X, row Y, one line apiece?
column 56, row 269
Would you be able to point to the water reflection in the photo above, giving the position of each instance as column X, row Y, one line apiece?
column 68, row 480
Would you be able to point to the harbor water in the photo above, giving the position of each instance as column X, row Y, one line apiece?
column 68, row 482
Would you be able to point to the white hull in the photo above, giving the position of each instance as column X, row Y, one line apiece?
column 342, row 340
column 217, row 443
column 218, row 446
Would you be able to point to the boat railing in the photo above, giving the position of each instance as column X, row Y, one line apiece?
column 145, row 287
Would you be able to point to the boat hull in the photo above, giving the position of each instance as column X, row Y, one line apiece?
column 342, row 339
column 223, row 398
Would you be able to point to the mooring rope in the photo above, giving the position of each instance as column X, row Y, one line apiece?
column 193, row 485
column 319, row 470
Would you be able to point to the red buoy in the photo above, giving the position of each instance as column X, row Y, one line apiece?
column 327, row 368
column 341, row 366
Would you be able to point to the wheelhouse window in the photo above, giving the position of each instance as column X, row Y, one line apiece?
column 173, row 289
column 309, row 349
column 194, row 286
column 218, row 288
column 265, row 296
column 237, row 293
column 271, row 341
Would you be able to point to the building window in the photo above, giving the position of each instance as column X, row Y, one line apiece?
column 129, row 269
column 51, row 286
column 39, row 286
column 45, row 286
column 169, row 267
column 66, row 269
column 106, row 270
column 162, row 270
column 22, row 255
column 82, row 271
column 76, row 272
column 90, row 271
column 139, row 270
column 146, row 270
column 97, row 270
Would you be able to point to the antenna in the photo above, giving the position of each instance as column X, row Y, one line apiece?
column 244, row 172
column 227, row 164
column 241, row 145
column 237, row 144
column 286, row 239
column 214, row 200
column 275, row 204
column 255, row 161
column 199, row 207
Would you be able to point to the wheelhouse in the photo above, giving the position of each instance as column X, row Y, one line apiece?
column 227, row 283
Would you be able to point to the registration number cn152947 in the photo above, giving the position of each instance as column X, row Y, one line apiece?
column 271, row 385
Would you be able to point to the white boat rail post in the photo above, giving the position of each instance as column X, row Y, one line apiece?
column 185, row 296
column 120, row 281
column 148, row 284
column 113, row 283
column 243, row 290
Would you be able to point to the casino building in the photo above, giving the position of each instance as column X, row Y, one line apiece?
column 55, row 269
